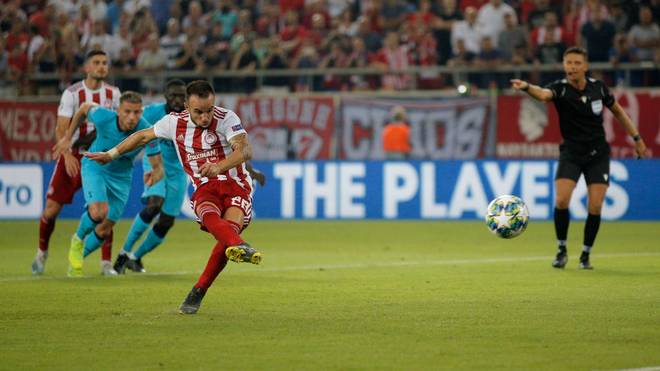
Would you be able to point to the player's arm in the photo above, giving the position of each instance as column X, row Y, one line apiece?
column 241, row 152
column 135, row 140
column 532, row 90
column 64, row 143
column 255, row 174
column 156, row 173
column 627, row 124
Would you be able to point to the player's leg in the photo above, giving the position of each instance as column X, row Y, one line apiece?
column 568, row 173
column 225, row 227
column 95, row 214
column 140, row 224
column 597, row 177
column 61, row 190
column 175, row 185
column 154, row 238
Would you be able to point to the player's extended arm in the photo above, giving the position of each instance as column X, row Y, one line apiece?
column 627, row 124
column 135, row 140
column 534, row 91
column 156, row 173
column 241, row 152
column 64, row 143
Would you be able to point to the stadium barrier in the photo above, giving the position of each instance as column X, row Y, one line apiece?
column 324, row 127
column 432, row 190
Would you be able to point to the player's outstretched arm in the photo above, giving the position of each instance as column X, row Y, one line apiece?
column 533, row 91
column 64, row 143
column 241, row 152
column 136, row 139
column 626, row 122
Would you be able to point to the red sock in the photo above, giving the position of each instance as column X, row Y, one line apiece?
column 215, row 265
column 106, row 249
column 223, row 230
column 46, row 227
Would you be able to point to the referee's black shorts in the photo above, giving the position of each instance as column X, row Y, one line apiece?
column 592, row 161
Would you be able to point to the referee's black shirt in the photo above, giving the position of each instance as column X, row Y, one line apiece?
column 581, row 111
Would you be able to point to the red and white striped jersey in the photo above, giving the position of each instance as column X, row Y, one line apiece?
column 196, row 146
column 75, row 95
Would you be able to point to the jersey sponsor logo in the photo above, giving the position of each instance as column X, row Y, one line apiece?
column 201, row 155
column 597, row 107
column 211, row 138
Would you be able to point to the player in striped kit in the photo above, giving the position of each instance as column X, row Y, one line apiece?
column 66, row 180
column 212, row 147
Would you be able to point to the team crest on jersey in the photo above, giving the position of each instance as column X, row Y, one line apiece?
column 210, row 138
column 597, row 107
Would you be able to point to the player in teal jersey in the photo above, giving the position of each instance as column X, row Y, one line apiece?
column 106, row 187
column 163, row 198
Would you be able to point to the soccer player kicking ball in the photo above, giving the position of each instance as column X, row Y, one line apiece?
column 212, row 146
column 163, row 198
column 579, row 101
column 106, row 188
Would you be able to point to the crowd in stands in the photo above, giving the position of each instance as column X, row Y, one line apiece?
column 238, row 35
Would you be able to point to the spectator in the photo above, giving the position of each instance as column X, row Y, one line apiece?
column 488, row 60
column 645, row 36
column 468, row 30
column 336, row 58
column 36, row 47
column 393, row 56
column 358, row 59
column 345, row 23
column 44, row 18
column 491, row 18
column 307, row 58
column 108, row 43
column 448, row 14
column 245, row 60
column 275, row 59
column 226, row 14
column 160, row 11
column 536, row 17
column 172, row 42
column 195, row 17
column 597, row 35
column 462, row 56
column 152, row 60
column 396, row 135
column 188, row 59
column 550, row 50
column 619, row 17
column 550, row 26
column 423, row 16
column 292, row 34
column 314, row 8
column 84, row 23
column 371, row 39
column 114, row 12
column 4, row 69
column 98, row 10
column 511, row 37
column 393, row 14
column 587, row 11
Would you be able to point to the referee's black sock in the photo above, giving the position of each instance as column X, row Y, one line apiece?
column 590, row 230
column 562, row 218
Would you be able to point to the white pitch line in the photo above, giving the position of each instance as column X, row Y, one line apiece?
column 351, row 266
column 650, row 368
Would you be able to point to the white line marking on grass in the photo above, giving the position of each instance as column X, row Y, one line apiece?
column 650, row 368
column 346, row 266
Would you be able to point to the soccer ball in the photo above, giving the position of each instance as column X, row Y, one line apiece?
column 507, row 216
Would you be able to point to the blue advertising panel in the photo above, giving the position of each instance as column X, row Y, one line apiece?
column 381, row 190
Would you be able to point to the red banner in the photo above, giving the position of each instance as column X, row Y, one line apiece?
column 530, row 129
column 283, row 128
column 27, row 130
column 439, row 128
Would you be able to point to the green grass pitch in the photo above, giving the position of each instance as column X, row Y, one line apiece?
column 387, row 295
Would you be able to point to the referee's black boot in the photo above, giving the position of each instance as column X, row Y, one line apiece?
column 560, row 260
column 584, row 261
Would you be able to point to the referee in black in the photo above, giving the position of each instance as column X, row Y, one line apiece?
column 580, row 101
